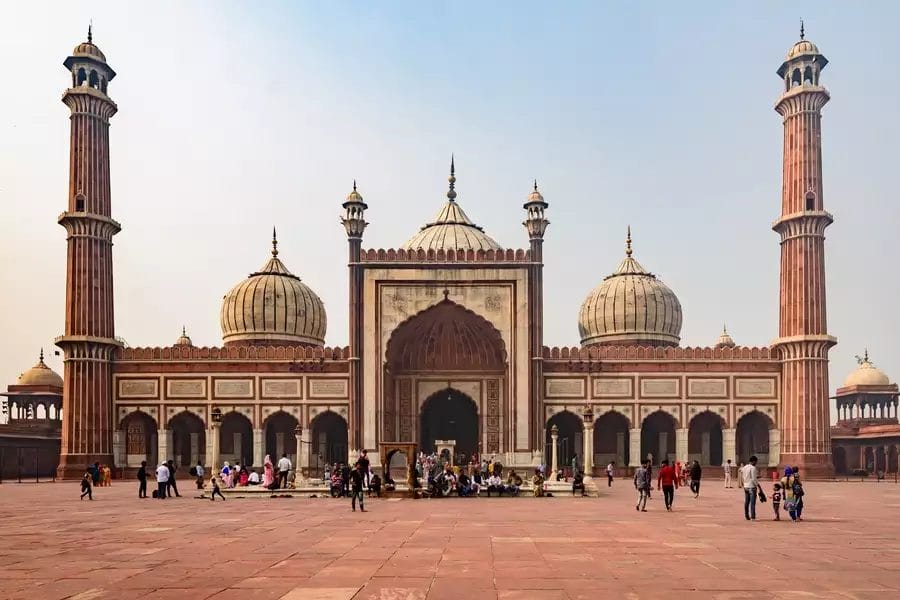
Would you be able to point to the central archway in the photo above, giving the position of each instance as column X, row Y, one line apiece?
column 450, row 415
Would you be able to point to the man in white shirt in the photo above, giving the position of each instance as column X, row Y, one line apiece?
column 284, row 467
column 749, row 480
column 254, row 478
column 610, row 473
column 727, row 468
column 162, row 480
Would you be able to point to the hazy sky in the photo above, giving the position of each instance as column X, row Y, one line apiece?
column 237, row 116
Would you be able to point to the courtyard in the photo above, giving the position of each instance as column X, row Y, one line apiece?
column 118, row 547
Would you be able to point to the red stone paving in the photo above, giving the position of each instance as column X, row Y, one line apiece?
column 53, row 546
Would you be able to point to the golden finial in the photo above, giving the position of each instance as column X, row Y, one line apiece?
column 274, row 243
column 802, row 30
column 41, row 359
column 184, row 330
column 451, row 194
column 90, row 32
column 535, row 185
column 724, row 329
column 628, row 243
column 354, row 185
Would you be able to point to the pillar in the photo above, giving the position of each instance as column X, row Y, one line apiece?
column 588, row 450
column 214, row 431
column 303, row 445
column 195, row 449
column 704, row 448
column 554, row 451
column 163, row 444
column 774, row 447
column 620, row 449
column 681, row 445
column 119, row 457
column 728, row 449
column 634, row 450
column 259, row 447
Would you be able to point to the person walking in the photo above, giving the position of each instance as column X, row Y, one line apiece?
column 363, row 461
column 748, row 478
column 727, row 469
column 667, row 481
column 642, row 485
column 798, row 491
column 610, row 473
column 162, row 480
column 171, row 484
column 356, row 484
column 696, row 471
column 142, row 479
column 215, row 490
column 86, row 485
column 199, row 471
column 284, row 467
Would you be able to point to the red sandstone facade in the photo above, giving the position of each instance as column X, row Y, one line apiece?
column 428, row 322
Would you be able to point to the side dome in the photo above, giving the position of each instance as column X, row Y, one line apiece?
column 273, row 307
column 866, row 374
column 725, row 340
column 40, row 374
column 451, row 229
column 184, row 339
column 630, row 307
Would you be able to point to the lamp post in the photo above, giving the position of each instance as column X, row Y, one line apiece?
column 588, row 442
column 302, row 467
column 554, row 453
column 215, row 425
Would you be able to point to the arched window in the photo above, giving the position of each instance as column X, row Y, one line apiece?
column 79, row 203
column 93, row 80
column 795, row 78
column 103, row 84
column 808, row 76
column 41, row 412
column 52, row 412
column 81, row 76
column 810, row 200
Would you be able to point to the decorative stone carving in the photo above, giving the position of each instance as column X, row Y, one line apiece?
column 492, row 425
column 707, row 388
column 281, row 388
column 754, row 387
column 327, row 388
column 564, row 388
column 138, row 388
column 608, row 387
column 185, row 388
column 406, row 410
column 652, row 387
column 493, row 303
column 233, row 388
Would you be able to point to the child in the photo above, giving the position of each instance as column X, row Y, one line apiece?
column 86, row 487
column 776, row 501
column 215, row 490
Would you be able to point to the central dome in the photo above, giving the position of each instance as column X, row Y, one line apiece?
column 273, row 307
column 451, row 229
column 631, row 307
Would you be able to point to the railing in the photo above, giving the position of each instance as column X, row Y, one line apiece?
column 27, row 464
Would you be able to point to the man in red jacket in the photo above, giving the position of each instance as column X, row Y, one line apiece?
column 668, row 481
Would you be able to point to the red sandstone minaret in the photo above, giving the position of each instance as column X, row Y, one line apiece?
column 89, row 340
column 803, row 334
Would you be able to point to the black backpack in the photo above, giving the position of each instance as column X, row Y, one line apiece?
column 193, row 471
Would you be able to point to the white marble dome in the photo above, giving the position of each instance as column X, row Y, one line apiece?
column 866, row 374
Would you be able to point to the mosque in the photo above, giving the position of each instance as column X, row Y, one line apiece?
column 446, row 343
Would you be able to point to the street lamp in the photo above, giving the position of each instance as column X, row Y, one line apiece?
column 217, row 415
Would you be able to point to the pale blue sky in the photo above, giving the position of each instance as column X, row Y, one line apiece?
column 234, row 116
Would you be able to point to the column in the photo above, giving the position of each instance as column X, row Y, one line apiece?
column 681, row 445
column 195, row 449
column 163, row 439
column 634, row 450
column 774, row 447
column 728, row 449
column 704, row 448
column 554, row 452
column 119, row 457
column 588, row 450
column 303, row 445
column 214, row 430
column 620, row 449
column 259, row 446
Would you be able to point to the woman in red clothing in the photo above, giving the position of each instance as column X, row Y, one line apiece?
column 667, row 481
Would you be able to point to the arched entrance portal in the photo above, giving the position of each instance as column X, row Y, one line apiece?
column 237, row 440
column 450, row 415
column 140, row 439
column 611, row 441
column 658, row 437
column 705, row 439
column 752, row 437
column 463, row 353
column 188, row 439
column 329, row 440
column 280, row 436
column 570, row 441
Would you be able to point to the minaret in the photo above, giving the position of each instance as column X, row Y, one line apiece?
column 536, row 224
column 803, row 339
column 89, row 341
column 354, row 221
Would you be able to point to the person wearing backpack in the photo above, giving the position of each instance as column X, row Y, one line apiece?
column 142, row 478
column 798, row 492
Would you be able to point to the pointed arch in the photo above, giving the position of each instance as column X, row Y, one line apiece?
column 446, row 337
